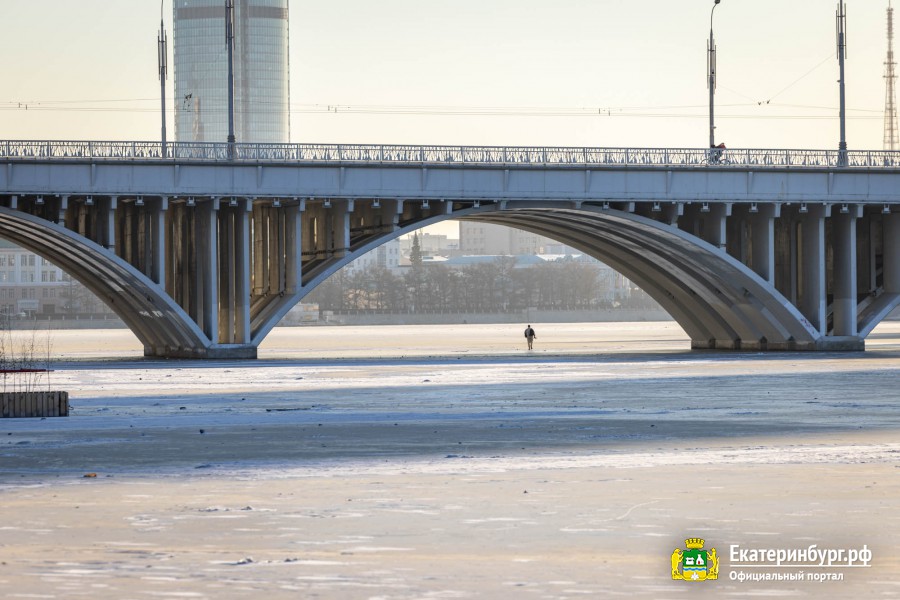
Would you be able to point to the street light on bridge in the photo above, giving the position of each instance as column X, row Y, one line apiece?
column 163, row 73
column 841, row 16
column 711, row 76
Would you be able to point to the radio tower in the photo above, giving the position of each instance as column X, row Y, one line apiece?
column 891, row 141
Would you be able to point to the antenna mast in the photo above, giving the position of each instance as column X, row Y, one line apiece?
column 891, row 141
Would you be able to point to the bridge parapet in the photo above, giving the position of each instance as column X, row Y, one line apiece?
column 380, row 154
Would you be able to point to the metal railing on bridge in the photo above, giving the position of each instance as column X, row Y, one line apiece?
column 444, row 155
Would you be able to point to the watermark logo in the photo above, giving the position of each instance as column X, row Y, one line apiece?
column 694, row 563
column 796, row 564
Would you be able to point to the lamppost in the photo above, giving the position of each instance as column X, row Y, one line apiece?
column 229, row 41
column 711, row 73
column 842, row 54
column 162, row 52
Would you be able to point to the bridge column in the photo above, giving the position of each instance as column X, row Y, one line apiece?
column 261, row 235
column 341, row 227
column 242, row 266
column 845, row 272
column 876, row 229
column 293, row 247
column 811, row 267
column 310, row 227
column 109, row 241
column 208, row 246
column 762, row 233
column 892, row 253
column 182, row 258
column 128, row 235
column 63, row 207
column 278, row 248
column 158, row 241
column 322, row 238
column 392, row 209
column 225, row 254
column 234, row 272
column 716, row 221
column 268, row 250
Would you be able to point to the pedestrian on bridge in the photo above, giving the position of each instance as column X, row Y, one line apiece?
column 530, row 336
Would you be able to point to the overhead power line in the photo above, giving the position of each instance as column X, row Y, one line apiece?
column 655, row 112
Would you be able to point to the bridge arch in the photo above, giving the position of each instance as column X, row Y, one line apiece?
column 277, row 310
column 718, row 301
column 158, row 322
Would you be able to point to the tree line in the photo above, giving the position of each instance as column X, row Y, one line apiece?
column 496, row 286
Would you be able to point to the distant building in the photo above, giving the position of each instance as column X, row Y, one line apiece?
column 430, row 244
column 522, row 261
column 261, row 74
column 32, row 286
column 487, row 238
column 386, row 256
column 614, row 286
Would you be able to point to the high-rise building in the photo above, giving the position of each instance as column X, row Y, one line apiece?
column 487, row 238
column 261, row 73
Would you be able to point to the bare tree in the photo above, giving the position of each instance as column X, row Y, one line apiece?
column 24, row 363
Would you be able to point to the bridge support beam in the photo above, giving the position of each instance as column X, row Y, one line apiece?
column 716, row 225
column 234, row 272
column 293, row 249
column 762, row 231
column 109, row 223
column 159, row 241
column 811, row 298
column 340, row 215
column 209, row 247
column 845, row 272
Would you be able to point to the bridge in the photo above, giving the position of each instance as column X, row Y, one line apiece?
column 201, row 248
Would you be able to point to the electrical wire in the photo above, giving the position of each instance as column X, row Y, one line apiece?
column 667, row 112
column 796, row 81
column 783, row 90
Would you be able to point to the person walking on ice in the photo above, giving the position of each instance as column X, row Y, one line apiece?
column 530, row 336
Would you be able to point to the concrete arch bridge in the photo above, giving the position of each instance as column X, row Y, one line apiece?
column 202, row 248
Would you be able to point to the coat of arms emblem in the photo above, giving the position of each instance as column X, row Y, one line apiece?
column 694, row 563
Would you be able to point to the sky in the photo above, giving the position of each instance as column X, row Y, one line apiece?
column 607, row 73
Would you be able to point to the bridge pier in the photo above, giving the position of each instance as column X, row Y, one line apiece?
column 811, row 289
column 234, row 271
column 845, row 303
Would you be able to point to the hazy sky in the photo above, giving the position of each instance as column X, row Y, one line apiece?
column 493, row 72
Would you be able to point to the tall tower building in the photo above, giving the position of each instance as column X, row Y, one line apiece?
column 261, row 71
